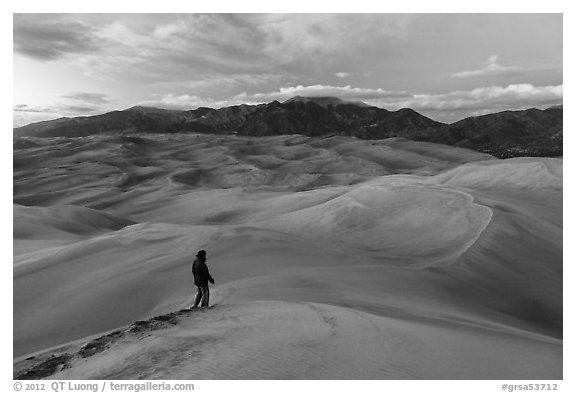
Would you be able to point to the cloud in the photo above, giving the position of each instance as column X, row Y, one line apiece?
column 491, row 98
column 90, row 98
column 22, row 108
column 182, row 101
column 28, row 108
column 79, row 109
column 344, row 92
column 301, row 38
column 219, row 84
column 448, row 106
column 170, row 29
column 347, row 93
column 342, row 75
column 456, row 105
column 156, row 49
column 61, row 109
column 75, row 104
column 491, row 69
column 187, row 102
column 51, row 38
column 174, row 46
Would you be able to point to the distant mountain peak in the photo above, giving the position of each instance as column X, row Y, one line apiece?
column 324, row 101
column 138, row 108
column 149, row 109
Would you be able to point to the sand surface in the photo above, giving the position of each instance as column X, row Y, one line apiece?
column 334, row 258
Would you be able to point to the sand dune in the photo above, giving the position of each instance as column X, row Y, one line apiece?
column 57, row 221
column 396, row 215
column 333, row 258
column 280, row 340
column 538, row 174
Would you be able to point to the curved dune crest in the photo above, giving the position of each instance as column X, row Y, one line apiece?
column 396, row 214
column 517, row 173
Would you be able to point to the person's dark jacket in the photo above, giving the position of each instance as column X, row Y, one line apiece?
column 201, row 273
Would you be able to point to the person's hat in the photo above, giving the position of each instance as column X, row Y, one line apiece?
column 201, row 253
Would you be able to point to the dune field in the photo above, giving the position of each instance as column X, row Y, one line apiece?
column 334, row 258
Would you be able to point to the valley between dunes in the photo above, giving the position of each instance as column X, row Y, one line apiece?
column 334, row 258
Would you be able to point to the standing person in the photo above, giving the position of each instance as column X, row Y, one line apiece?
column 201, row 278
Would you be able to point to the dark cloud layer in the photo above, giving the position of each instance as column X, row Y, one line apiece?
column 51, row 39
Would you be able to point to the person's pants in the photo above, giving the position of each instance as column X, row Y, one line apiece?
column 204, row 294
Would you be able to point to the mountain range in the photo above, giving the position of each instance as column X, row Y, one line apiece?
column 530, row 132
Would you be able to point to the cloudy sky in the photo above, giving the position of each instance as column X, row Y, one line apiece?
column 446, row 66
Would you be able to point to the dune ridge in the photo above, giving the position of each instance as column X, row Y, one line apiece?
column 280, row 340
